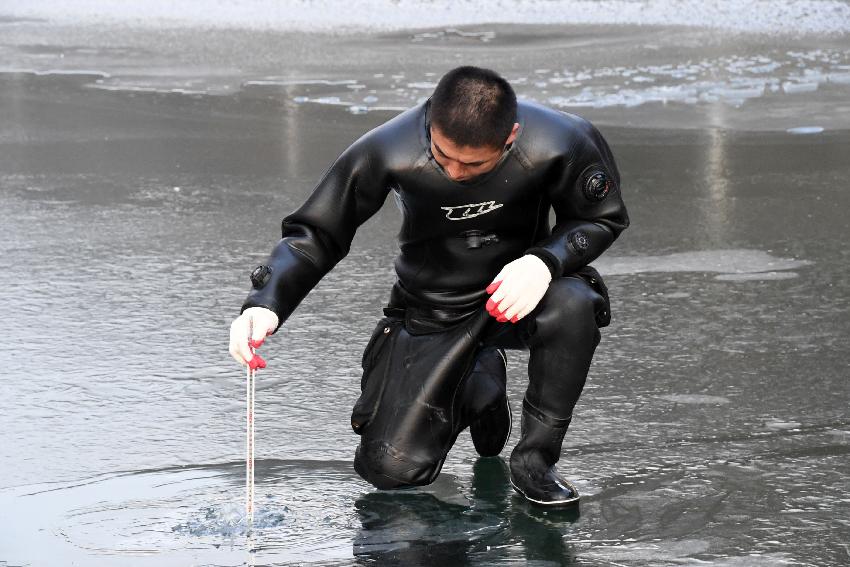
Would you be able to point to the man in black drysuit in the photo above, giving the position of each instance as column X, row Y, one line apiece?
column 475, row 174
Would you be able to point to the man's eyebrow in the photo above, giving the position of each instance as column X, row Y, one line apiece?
column 473, row 163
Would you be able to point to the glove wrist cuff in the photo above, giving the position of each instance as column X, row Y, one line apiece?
column 543, row 262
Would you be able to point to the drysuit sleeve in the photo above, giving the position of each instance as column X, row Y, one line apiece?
column 319, row 233
column 585, row 195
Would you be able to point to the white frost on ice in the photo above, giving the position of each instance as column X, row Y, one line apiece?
column 694, row 399
column 805, row 130
column 771, row 16
column 736, row 262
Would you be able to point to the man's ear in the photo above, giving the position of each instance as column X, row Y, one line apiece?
column 513, row 134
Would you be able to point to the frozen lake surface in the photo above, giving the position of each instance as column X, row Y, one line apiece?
column 714, row 427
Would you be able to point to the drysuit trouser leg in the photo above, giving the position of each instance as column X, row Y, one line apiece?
column 411, row 406
column 561, row 334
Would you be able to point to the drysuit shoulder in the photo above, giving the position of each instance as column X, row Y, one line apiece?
column 398, row 144
column 548, row 135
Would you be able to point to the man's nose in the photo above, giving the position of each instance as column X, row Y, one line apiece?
column 455, row 171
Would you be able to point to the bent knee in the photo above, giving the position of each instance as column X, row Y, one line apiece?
column 385, row 467
column 569, row 302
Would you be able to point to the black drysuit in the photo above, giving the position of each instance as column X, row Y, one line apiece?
column 455, row 237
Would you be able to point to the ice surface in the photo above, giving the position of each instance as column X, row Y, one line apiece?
column 802, row 16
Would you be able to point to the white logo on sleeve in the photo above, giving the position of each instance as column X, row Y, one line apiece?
column 462, row 212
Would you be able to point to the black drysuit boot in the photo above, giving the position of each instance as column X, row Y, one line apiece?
column 485, row 402
column 533, row 460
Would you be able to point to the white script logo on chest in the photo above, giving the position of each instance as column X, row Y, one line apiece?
column 463, row 212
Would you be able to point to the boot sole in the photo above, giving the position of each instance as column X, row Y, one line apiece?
column 557, row 504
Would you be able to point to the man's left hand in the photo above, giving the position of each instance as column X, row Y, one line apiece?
column 518, row 288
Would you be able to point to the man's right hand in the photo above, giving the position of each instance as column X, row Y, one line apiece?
column 250, row 330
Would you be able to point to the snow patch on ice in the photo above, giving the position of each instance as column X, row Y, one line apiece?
column 805, row 130
column 771, row 16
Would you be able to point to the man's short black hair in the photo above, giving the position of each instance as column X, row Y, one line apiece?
column 474, row 107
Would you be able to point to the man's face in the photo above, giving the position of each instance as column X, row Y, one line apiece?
column 462, row 163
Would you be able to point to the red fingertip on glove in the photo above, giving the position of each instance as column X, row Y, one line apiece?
column 515, row 318
column 255, row 344
column 256, row 362
column 491, row 289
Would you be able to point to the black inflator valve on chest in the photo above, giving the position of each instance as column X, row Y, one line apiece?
column 477, row 239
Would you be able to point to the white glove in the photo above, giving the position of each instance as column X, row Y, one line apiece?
column 248, row 331
column 518, row 288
